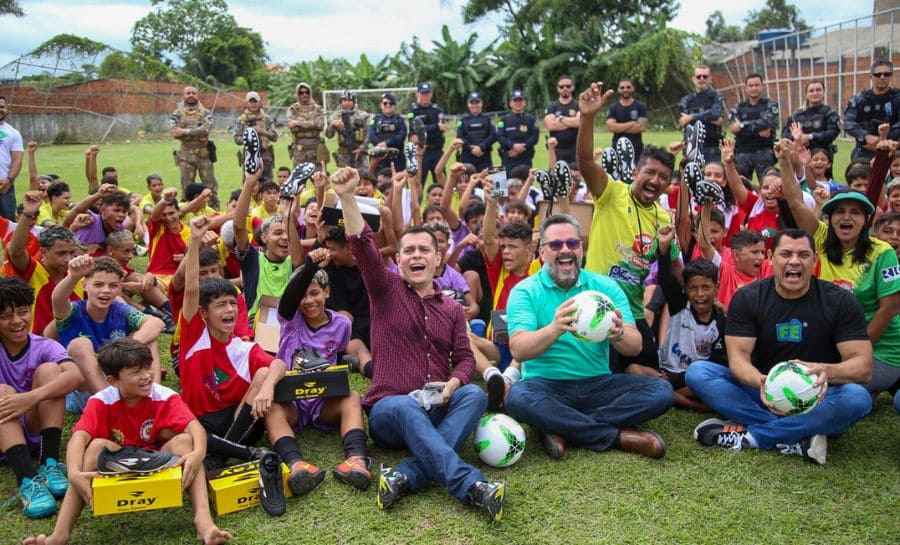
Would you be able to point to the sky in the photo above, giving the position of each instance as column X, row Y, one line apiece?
column 304, row 29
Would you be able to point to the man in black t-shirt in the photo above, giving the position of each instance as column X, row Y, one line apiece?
column 627, row 117
column 561, row 120
column 790, row 316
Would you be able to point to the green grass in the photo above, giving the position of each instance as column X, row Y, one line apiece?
column 694, row 495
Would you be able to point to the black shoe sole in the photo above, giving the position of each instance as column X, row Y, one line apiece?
column 356, row 480
column 304, row 483
column 496, row 390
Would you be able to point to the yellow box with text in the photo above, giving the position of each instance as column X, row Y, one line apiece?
column 237, row 487
column 127, row 493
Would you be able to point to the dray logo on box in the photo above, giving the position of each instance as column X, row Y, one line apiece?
column 137, row 500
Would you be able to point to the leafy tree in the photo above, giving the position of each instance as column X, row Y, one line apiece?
column 776, row 14
column 718, row 31
column 11, row 7
column 227, row 56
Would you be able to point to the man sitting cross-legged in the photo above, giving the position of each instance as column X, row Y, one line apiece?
column 418, row 339
column 567, row 391
column 230, row 383
column 36, row 373
column 133, row 411
column 790, row 316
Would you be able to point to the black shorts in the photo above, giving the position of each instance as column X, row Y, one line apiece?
column 360, row 330
column 219, row 422
column 649, row 355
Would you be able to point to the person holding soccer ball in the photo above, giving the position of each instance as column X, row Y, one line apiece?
column 790, row 316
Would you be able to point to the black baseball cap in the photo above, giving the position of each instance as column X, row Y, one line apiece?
column 517, row 94
column 474, row 96
column 424, row 87
column 389, row 97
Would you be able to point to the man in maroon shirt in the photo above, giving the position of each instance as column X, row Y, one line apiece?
column 418, row 339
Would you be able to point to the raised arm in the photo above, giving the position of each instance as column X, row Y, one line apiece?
column 169, row 197
column 590, row 102
column 79, row 267
column 197, row 204
column 191, row 262
column 90, row 168
column 33, row 181
column 293, row 235
column 806, row 219
column 489, row 228
column 16, row 252
column 732, row 177
column 450, row 215
column 440, row 175
column 241, row 236
column 398, row 182
column 299, row 282
column 86, row 204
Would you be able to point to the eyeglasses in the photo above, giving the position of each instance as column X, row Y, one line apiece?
column 701, row 76
column 556, row 245
column 881, row 74
column 386, row 103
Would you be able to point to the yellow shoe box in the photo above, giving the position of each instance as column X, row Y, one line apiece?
column 237, row 487
column 334, row 381
column 127, row 493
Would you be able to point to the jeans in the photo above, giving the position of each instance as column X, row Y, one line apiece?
column 589, row 412
column 433, row 438
column 843, row 405
column 8, row 203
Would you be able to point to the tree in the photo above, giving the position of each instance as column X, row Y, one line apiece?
column 11, row 7
column 776, row 14
column 718, row 31
column 227, row 56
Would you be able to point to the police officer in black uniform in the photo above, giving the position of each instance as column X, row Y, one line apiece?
column 388, row 130
column 704, row 105
column 754, row 124
column 561, row 120
column 476, row 130
column 872, row 107
column 627, row 118
column 426, row 119
column 517, row 133
column 819, row 123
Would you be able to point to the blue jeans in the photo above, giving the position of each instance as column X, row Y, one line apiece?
column 897, row 401
column 8, row 203
column 589, row 412
column 433, row 438
column 843, row 405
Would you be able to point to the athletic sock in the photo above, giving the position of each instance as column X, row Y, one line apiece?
column 50, row 441
column 489, row 372
column 368, row 370
column 354, row 443
column 287, row 448
column 512, row 375
column 243, row 421
column 18, row 457
column 216, row 445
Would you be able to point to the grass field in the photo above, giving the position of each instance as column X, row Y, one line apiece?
column 694, row 495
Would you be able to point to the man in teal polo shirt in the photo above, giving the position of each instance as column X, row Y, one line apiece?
column 567, row 391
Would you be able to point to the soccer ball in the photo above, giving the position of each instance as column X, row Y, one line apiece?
column 499, row 440
column 791, row 389
column 594, row 316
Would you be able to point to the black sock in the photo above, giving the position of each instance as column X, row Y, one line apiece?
column 18, row 457
column 243, row 421
column 368, row 369
column 50, row 441
column 287, row 448
column 218, row 446
column 354, row 442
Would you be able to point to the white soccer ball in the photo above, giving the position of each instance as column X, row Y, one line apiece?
column 594, row 316
column 499, row 440
column 791, row 389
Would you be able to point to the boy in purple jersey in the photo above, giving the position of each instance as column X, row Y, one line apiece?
column 317, row 334
column 35, row 376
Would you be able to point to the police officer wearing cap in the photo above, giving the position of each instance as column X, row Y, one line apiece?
column 517, row 133
column 871, row 108
column 350, row 124
column 818, row 123
column 254, row 116
column 706, row 106
column 476, row 130
column 426, row 123
column 562, row 118
column 754, row 123
column 388, row 130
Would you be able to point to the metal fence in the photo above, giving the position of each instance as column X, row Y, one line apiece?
column 839, row 55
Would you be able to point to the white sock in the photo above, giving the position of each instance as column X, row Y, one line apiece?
column 751, row 441
column 512, row 375
column 489, row 372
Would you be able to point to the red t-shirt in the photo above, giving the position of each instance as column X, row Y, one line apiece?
column 36, row 276
column 502, row 281
column 215, row 376
column 241, row 326
column 106, row 416
column 164, row 244
column 731, row 279
column 7, row 228
column 764, row 223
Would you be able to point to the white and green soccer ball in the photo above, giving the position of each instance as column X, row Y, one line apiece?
column 594, row 316
column 499, row 440
column 791, row 389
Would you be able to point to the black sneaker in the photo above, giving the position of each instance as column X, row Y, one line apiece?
column 418, row 129
column 134, row 460
column 378, row 151
column 562, row 174
column 814, row 449
column 692, row 175
column 546, row 184
column 625, row 151
column 711, row 433
column 252, row 151
column 392, row 485
column 297, row 179
column 496, row 392
column 610, row 163
column 271, row 485
column 694, row 140
column 488, row 496
column 708, row 190
column 409, row 151
column 554, row 445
